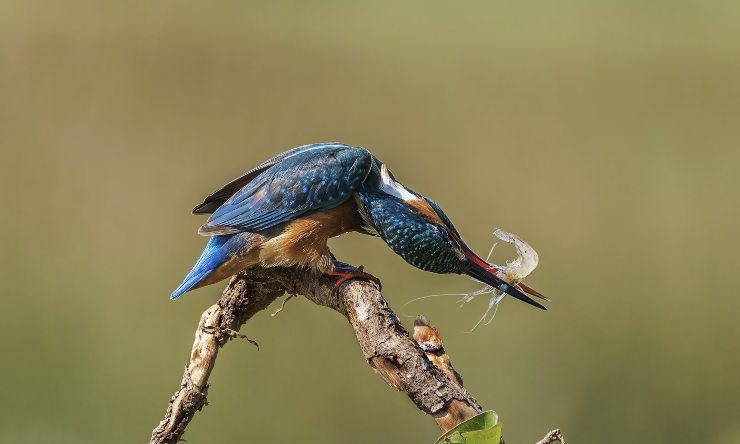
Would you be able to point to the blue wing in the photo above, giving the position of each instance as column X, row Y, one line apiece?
column 219, row 197
column 299, row 181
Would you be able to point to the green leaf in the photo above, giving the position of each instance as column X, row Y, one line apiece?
column 481, row 429
column 487, row 436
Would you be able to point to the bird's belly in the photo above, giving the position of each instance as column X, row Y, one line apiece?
column 302, row 241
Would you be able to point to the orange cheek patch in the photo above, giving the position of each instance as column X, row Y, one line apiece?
column 426, row 210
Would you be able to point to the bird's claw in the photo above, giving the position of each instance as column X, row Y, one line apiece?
column 345, row 272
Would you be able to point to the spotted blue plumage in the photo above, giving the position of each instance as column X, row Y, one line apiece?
column 303, row 180
column 412, row 236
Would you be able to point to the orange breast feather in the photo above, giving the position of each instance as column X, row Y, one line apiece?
column 303, row 241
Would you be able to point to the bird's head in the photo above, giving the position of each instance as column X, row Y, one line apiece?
column 420, row 232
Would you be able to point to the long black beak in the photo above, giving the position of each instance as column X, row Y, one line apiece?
column 479, row 270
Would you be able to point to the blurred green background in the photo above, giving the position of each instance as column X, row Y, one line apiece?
column 607, row 134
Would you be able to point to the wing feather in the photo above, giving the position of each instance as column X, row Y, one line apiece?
column 321, row 177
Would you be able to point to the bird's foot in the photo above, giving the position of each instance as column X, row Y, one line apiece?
column 344, row 272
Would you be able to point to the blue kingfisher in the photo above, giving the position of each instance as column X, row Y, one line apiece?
column 283, row 212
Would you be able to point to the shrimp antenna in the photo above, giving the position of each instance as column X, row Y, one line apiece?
column 403, row 307
column 490, row 252
column 492, row 303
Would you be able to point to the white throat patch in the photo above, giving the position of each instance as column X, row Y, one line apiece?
column 390, row 186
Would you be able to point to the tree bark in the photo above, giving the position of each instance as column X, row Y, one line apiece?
column 386, row 345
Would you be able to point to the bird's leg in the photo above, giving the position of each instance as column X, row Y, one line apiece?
column 344, row 272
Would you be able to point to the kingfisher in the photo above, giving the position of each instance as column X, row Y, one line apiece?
column 283, row 212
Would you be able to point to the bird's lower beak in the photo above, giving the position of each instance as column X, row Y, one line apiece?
column 531, row 291
column 480, row 270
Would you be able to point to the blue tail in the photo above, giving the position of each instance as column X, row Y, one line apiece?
column 217, row 251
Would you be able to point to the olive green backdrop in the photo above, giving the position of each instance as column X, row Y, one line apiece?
column 606, row 134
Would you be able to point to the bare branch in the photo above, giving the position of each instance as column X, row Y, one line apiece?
column 386, row 345
column 240, row 301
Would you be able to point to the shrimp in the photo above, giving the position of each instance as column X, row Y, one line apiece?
column 513, row 272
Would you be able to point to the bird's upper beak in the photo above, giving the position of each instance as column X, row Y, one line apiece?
column 484, row 272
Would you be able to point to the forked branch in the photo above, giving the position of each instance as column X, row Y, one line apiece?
column 386, row 345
